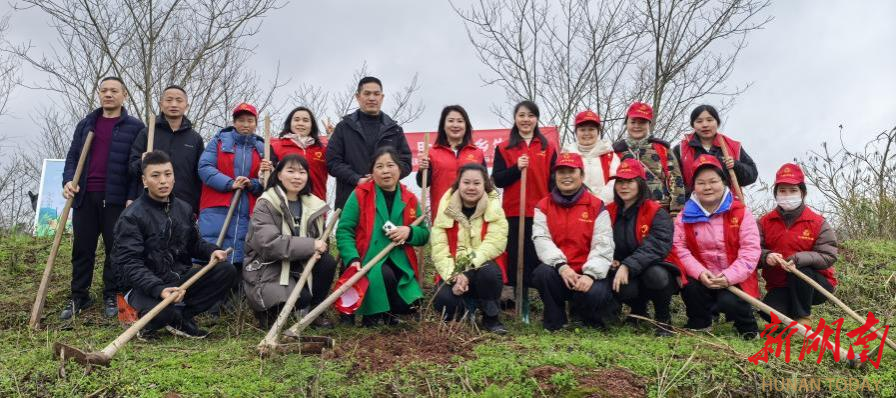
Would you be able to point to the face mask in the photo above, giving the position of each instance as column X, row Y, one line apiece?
column 789, row 202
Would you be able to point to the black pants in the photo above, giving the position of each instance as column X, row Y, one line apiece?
column 655, row 283
column 199, row 298
column 530, row 258
column 699, row 301
column 391, row 276
column 89, row 221
column 796, row 300
column 592, row 306
column 321, row 281
column 485, row 288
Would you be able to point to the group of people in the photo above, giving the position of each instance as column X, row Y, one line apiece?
column 604, row 224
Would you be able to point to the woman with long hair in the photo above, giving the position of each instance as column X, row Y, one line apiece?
column 300, row 135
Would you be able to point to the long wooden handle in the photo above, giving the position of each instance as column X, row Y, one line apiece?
column 769, row 310
column 424, row 194
column 132, row 331
column 307, row 319
column 274, row 333
column 835, row 300
column 226, row 225
column 151, row 133
column 41, row 299
column 267, row 148
column 521, row 240
column 727, row 153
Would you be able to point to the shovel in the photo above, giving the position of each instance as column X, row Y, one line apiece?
column 270, row 343
column 104, row 357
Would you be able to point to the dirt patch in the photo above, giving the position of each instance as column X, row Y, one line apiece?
column 604, row 383
column 425, row 342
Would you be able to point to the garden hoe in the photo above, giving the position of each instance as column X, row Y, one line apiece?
column 104, row 357
column 424, row 191
column 295, row 330
column 315, row 344
column 41, row 299
column 226, row 225
column 522, row 292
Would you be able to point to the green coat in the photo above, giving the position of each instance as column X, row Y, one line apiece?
column 361, row 223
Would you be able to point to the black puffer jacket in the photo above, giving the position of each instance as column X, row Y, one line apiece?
column 184, row 146
column 154, row 244
column 655, row 247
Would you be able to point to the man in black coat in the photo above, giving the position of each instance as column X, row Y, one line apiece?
column 101, row 194
column 155, row 241
column 359, row 135
column 175, row 136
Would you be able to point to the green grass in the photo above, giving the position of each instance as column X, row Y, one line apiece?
column 527, row 363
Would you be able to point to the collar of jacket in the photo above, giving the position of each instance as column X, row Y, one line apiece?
column 146, row 198
column 354, row 121
column 487, row 208
column 694, row 212
column 162, row 123
column 600, row 147
column 567, row 201
column 93, row 116
column 789, row 217
column 230, row 138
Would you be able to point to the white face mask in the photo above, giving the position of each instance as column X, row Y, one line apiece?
column 789, row 202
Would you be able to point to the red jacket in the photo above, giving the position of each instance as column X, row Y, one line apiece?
column 800, row 237
column 688, row 157
column 213, row 198
column 317, row 162
column 444, row 164
column 572, row 228
column 643, row 221
column 538, row 175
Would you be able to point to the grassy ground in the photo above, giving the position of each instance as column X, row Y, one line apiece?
column 427, row 358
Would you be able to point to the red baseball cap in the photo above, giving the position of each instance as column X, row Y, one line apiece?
column 790, row 173
column 640, row 110
column 569, row 159
column 630, row 169
column 587, row 116
column 704, row 160
column 245, row 107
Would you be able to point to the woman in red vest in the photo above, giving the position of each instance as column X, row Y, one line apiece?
column 705, row 140
column 469, row 235
column 360, row 236
column 664, row 179
column 600, row 160
column 301, row 136
column 526, row 149
column 717, row 242
column 574, row 238
column 453, row 148
column 795, row 236
column 642, row 237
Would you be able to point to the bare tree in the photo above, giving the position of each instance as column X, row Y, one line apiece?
column 9, row 69
column 604, row 54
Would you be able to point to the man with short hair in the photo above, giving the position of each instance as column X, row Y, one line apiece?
column 156, row 239
column 175, row 136
column 101, row 194
column 358, row 135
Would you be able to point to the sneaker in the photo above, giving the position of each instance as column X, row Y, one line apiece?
column 322, row 322
column 148, row 335
column 74, row 307
column 188, row 329
column 663, row 332
column 110, row 307
column 492, row 324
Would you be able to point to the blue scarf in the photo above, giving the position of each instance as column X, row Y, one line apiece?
column 694, row 213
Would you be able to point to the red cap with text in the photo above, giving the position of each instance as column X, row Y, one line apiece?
column 587, row 116
column 630, row 169
column 245, row 108
column 567, row 159
column 704, row 160
column 790, row 173
column 640, row 110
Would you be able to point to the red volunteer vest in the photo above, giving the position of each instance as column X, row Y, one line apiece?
column 643, row 221
column 212, row 198
column 366, row 196
column 452, row 248
column 605, row 161
column 444, row 166
column 688, row 155
column 572, row 227
column 800, row 237
column 538, row 175
column 732, row 220
column 317, row 162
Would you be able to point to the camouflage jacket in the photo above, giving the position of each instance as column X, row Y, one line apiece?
column 669, row 191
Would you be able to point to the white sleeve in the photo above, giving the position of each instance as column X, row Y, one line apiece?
column 548, row 252
column 601, row 254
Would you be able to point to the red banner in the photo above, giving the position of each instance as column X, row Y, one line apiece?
column 486, row 140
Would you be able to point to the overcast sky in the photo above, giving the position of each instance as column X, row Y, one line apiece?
column 819, row 64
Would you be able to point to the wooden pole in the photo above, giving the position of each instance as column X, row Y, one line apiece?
column 521, row 240
column 273, row 336
column 41, row 299
column 267, row 148
column 226, row 225
column 727, row 153
column 424, row 193
column 151, row 133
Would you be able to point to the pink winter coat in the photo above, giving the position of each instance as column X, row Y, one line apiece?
column 710, row 239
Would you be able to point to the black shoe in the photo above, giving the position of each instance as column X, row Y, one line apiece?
column 347, row 320
column 74, row 307
column 110, row 307
column 369, row 321
column 148, row 335
column 187, row 328
column 663, row 332
column 492, row 324
column 749, row 335
column 391, row 319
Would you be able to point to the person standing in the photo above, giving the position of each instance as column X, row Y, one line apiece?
column 600, row 160
column 358, row 135
column 101, row 194
column 301, row 136
column 175, row 136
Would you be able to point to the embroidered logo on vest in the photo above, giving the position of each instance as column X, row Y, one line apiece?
column 644, row 230
column 807, row 235
column 585, row 216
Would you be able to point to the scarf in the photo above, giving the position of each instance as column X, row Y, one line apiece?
column 695, row 213
column 302, row 141
column 567, row 201
column 586, row 149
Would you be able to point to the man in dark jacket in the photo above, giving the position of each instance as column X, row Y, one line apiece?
column 155, row 241
column 359, row 135
column 175, row 136
column 101, row 194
